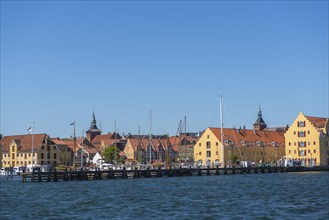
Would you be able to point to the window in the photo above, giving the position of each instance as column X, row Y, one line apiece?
column 301, row 134
column 294, row 143
column 289, row 144
column 216, row 152
column 294, row 151
column 208, row 153
column 25, row 156
column 308, row 143
column 42, row 147
column 13, row 156
column 48, row 148
column 54, row 147
column 289, row 151
column 200, row 153
column 216, row 143
column 41, row 155
column 208, row 136
column 208, row 144
column 314, row 151
column 309, row 151
column 301, row 124
column 294, row 132
column 48, row 155
column 308, row 132
column 314, row 142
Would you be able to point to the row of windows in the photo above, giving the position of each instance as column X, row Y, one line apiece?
column 208, row 153
column 19, row 155
column 48, row 148
column 48, row 156
column 301, row 133
column 302, row 143
column 302, row 152
column 18, row 162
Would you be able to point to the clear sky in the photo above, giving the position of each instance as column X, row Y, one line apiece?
column 60, row 61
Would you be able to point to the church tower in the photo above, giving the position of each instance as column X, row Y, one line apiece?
column 93, row 130
column 260, row 124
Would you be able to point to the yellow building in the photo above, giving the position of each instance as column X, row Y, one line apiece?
column 307, row 140
column 246, row 145
column 260, row 145
column 17, row 150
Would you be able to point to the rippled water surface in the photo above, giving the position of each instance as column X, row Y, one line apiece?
column 252, row 196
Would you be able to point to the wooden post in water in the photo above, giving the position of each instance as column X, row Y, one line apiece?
column 199, row 172
column 217, row 170
column 208, row 171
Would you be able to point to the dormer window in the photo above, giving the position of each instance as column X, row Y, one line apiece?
column 242, row 142
column 258, row 143
column 273, row 144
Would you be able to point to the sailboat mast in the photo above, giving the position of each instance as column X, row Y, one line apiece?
column 221, row 131
column 115, row 143
column 150, row 137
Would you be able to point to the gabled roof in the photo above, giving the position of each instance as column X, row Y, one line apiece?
column 236, row 137
column 24, row 141
column 317, row 122
column 107, row 139
column 80, row 142
column 144, row 142
column 183, row 141
column 58, row 141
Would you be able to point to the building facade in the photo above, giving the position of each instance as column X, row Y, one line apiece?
column 25, row 150
column 307, row 140
column 230, row 146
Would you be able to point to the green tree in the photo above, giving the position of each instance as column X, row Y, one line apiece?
column 111, row 154
column 234, row 158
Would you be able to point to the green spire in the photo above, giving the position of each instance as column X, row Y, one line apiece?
column 259, row 112
column 93, row 122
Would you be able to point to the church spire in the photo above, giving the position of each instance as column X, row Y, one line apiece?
column 93, row 122
column 259, row 112
column 260, row 124
column 93, row 130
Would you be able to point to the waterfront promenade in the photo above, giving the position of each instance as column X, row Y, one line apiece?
column 81, row 175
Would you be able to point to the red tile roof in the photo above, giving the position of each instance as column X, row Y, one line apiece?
column 106, row 138
column 249, row 137
column 156, row 143
column 317, row 121
column 24, row 142
column 190, row 141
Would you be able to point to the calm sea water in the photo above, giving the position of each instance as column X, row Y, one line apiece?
column 252, row 196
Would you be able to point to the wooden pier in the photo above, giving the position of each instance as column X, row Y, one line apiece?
column 81, row 175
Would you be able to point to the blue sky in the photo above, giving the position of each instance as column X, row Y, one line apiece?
column 60, row 61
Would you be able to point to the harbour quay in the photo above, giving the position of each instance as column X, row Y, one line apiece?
column 84, row 175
